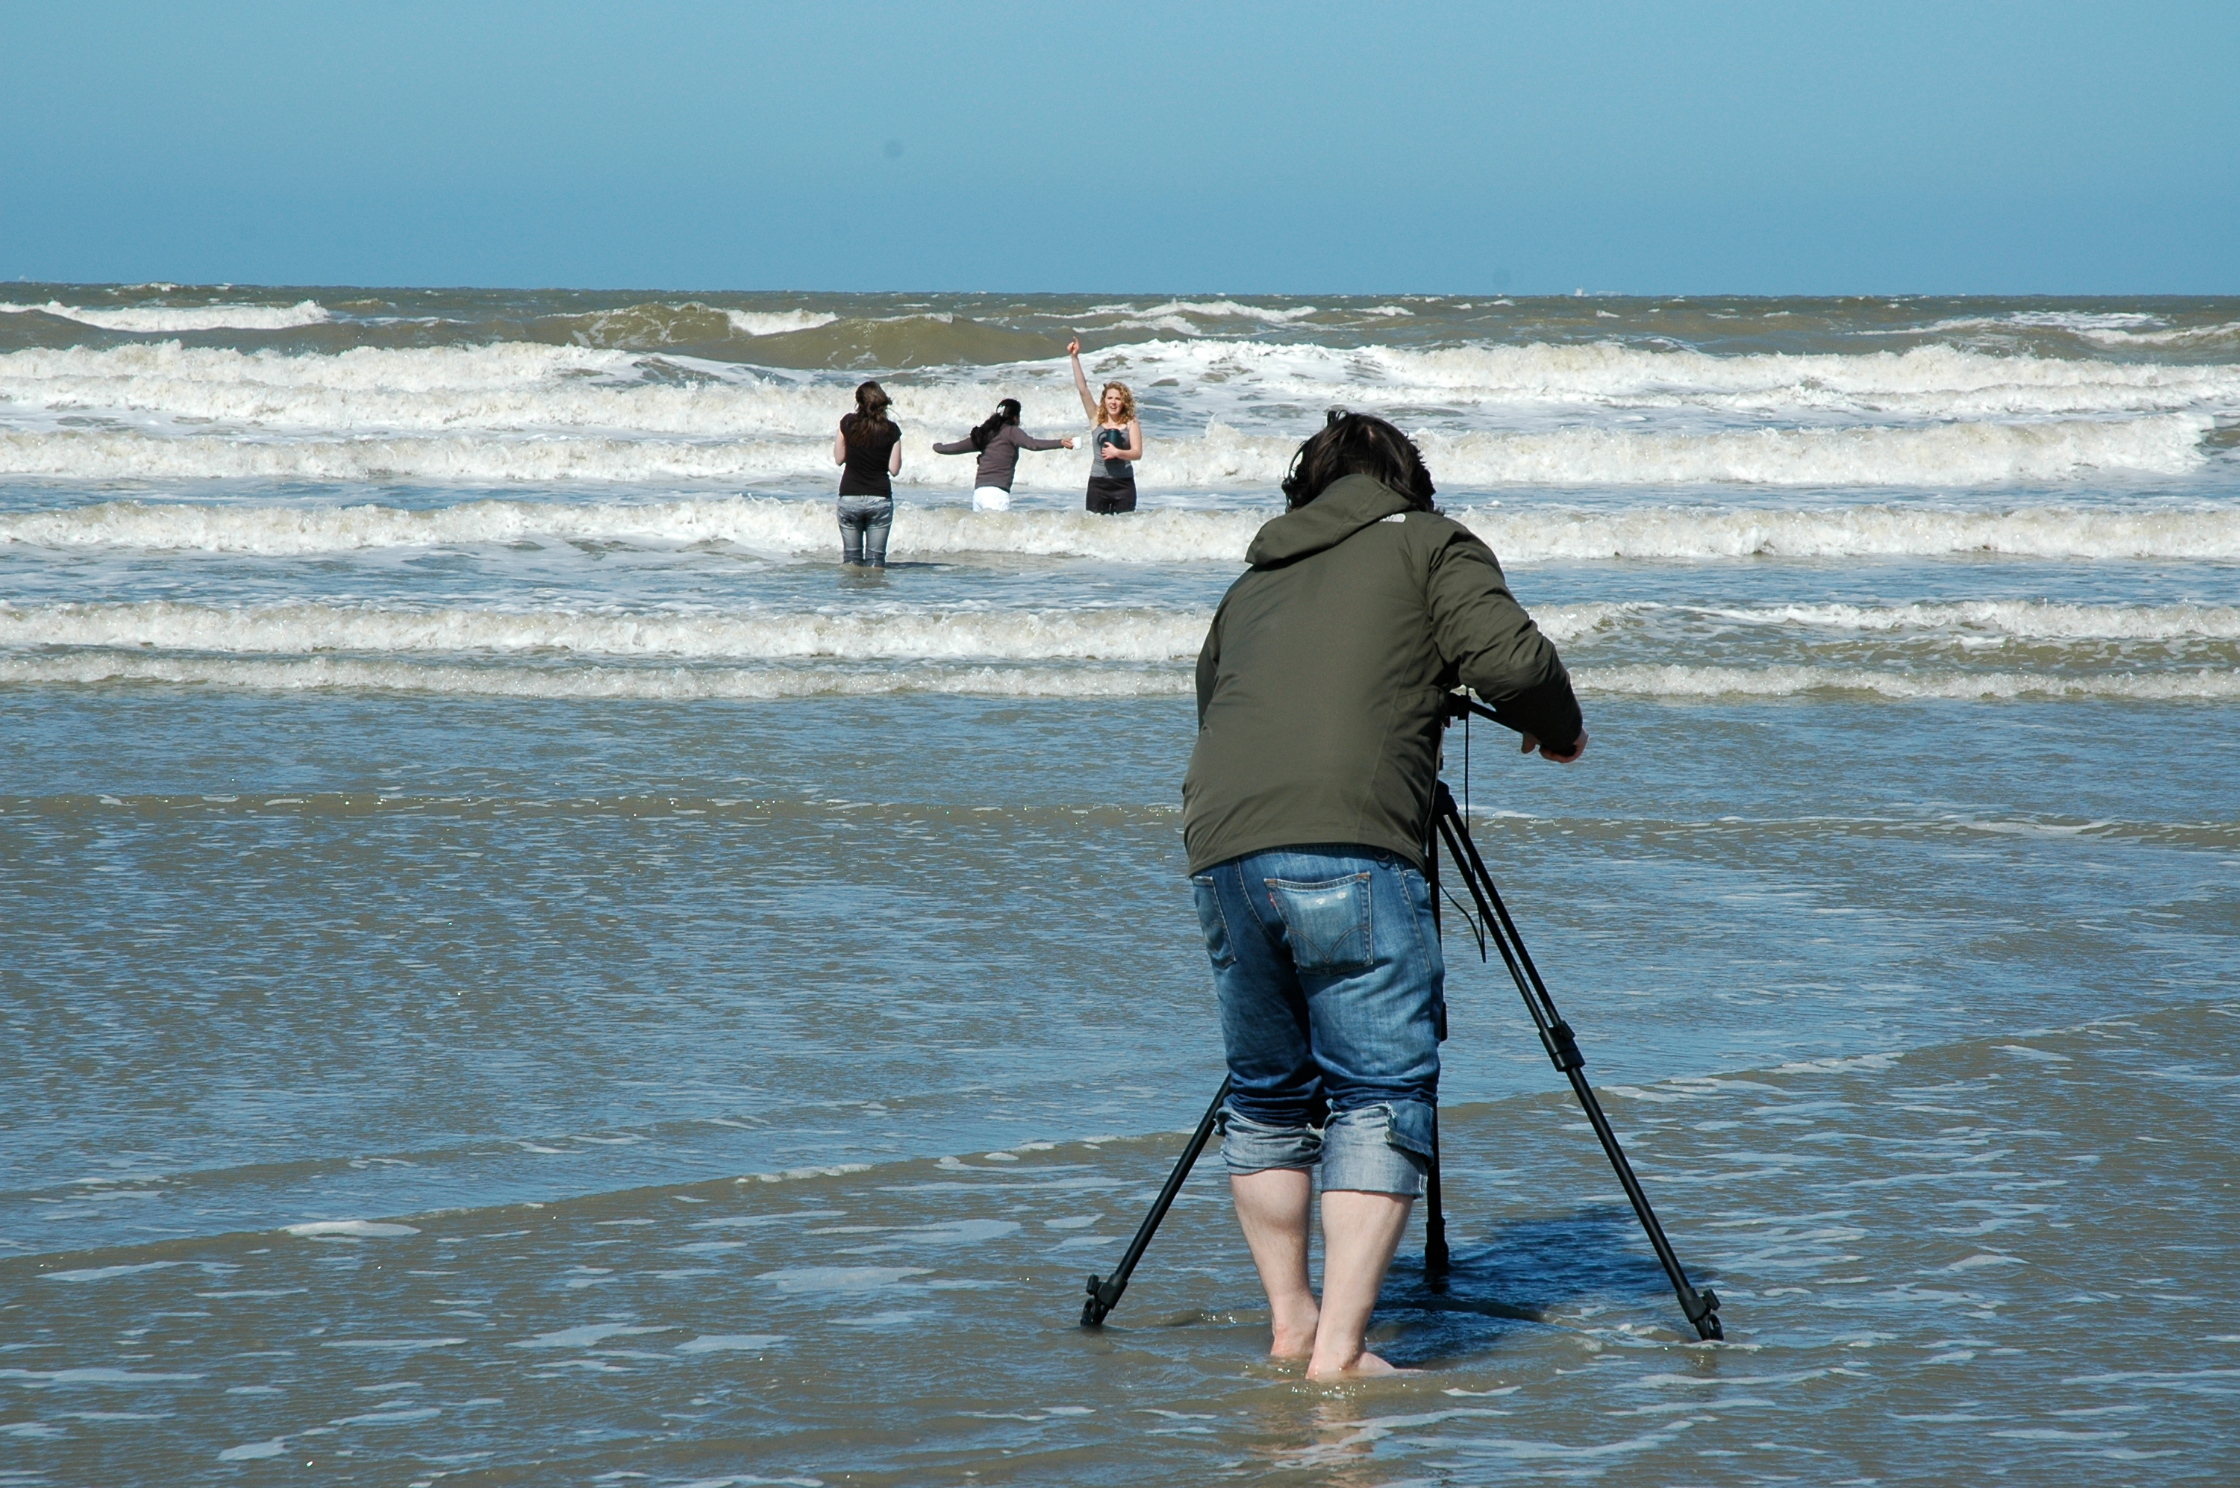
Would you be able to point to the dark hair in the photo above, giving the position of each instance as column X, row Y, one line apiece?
column 1007, row 412
column 1358, row 444
column 869, row 424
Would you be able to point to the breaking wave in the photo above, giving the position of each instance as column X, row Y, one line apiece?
column 624, row 682
column 1942, row 455
column 1105, row 634
column 582, row 682
column 1679, row 682
column 778, row 526
column 2023, row 619
column 1102, row 635
column 174, row 319
column 1486, row 415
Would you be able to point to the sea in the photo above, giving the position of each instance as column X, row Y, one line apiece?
column 520, row 969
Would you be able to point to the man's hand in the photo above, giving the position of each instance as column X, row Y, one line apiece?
column 1530, row 744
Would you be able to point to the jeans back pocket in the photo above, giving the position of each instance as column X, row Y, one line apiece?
column 1212, row 921
column 1326, row 923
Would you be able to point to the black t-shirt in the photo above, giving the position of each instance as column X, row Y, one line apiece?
column 866, row 471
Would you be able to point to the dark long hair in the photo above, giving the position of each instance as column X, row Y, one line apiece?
column 869, row 424
column 1007, row 412
column 1358, row 444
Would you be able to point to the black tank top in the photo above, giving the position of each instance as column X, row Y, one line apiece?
column 866, row 471
column 1104, row 465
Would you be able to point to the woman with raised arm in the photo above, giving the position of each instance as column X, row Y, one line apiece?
column 868, row 449
column 1119, row 436
column 997, row 441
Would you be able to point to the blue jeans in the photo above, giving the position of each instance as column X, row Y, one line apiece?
column 864, row 523
column 1326, row 962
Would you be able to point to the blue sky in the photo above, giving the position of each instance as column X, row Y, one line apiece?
column 1951, row 147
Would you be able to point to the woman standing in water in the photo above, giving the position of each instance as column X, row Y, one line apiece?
column 868, row 449
column 997, row 441
column 1112, row 415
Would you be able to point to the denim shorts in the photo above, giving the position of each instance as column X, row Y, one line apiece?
column 1326, row 962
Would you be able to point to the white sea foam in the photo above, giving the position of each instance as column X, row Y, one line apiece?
column 642, row 683
column 350, row 1229
column 777, row 322
column 173, row 319
column 1105, row 635
column 1961, row 416
column 1924, row 382
column 1130, row 635
column 321, row 674
column 2179, row 336
column 1208, row 309
column 1958, row 454
column 1681, row 682
column 760, row 523
column 2075, row 321
column 1939, row 456
column 2026, row 619
column 1517, row 534
column 1879, row 531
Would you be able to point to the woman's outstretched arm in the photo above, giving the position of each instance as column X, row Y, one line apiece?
column 1081, row 380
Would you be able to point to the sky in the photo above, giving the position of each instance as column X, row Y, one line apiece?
column 1962, row 146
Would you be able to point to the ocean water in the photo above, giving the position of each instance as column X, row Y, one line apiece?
column 518, row 969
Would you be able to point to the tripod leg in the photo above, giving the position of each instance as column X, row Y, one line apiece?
column 1701, row 1307
column 1104, row 1293
column 1434, row 1216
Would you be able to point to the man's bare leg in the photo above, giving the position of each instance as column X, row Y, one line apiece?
column 1272, row 1208
column 1360, row 1232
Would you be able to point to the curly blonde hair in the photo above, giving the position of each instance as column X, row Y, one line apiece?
column 1127, row 404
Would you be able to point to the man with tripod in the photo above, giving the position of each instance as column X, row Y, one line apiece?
column 1305, row 814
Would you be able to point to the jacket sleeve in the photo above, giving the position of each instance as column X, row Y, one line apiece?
column 1028, row 441
column 955, row 447
column 1498, row 653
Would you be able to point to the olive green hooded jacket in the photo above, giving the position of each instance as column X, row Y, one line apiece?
column 1321, row 679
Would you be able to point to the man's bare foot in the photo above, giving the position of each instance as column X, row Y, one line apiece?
column 1363, row 1365
column 1294, row 1331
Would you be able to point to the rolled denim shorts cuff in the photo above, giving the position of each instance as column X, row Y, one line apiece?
column 1249, row 1146
column 1384, row 1148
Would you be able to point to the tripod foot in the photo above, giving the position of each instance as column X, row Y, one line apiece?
column 1103, row 1295
column 1705, row 1315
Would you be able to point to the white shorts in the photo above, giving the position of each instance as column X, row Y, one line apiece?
column 990, row 498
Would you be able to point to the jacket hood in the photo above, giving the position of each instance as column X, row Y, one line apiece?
column 1345, row 506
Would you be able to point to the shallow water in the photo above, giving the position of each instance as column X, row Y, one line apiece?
column 443, row 848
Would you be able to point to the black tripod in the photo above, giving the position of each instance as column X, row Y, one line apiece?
column 1492, row 922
